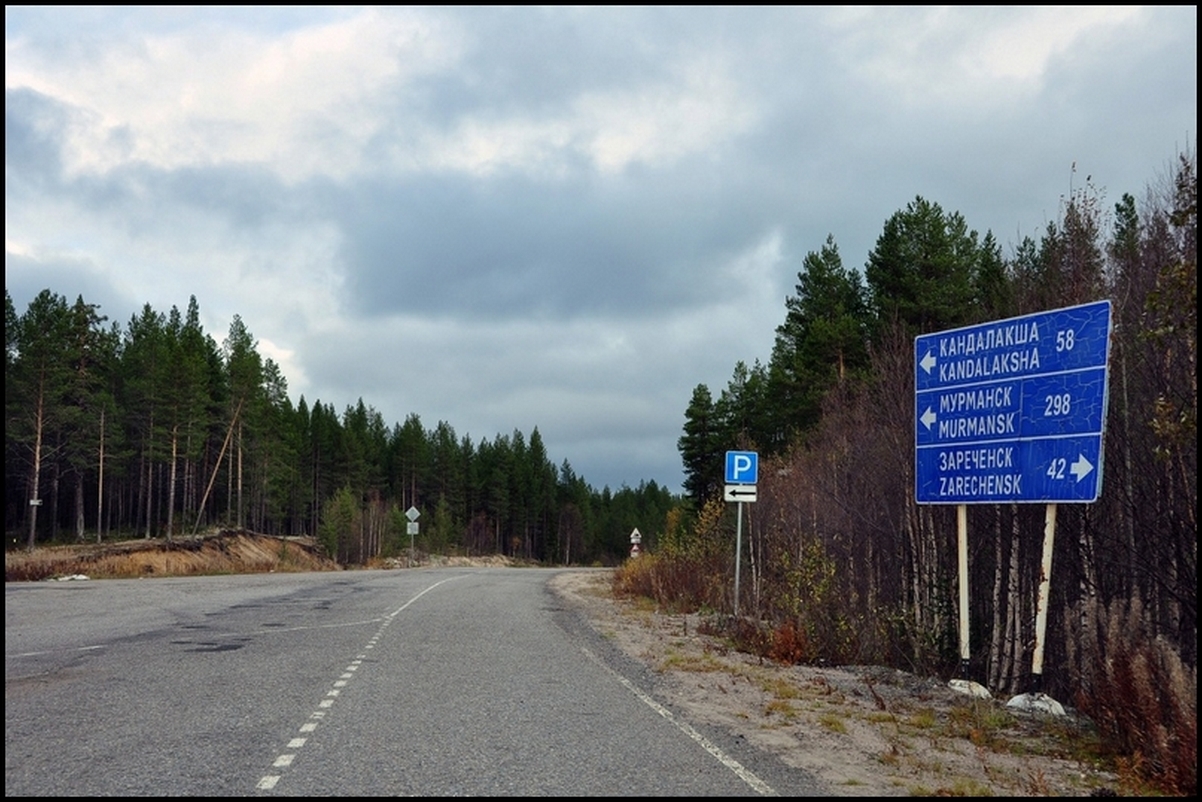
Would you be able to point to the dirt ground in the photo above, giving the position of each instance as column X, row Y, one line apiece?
column 864, row 731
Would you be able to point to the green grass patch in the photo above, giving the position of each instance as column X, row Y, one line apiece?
column 833, row 722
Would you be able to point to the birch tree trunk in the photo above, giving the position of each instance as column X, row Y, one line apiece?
column 171, row 482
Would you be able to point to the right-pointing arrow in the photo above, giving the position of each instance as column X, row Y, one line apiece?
column 1081, row 467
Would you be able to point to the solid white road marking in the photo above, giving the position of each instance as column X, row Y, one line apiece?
column 758, row 785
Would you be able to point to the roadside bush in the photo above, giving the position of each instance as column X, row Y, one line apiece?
column 674, row 583
column 1141, row 695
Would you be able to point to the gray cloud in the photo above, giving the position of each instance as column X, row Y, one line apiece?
column 563, row 218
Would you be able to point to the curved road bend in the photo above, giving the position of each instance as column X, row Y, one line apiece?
column 455, row 681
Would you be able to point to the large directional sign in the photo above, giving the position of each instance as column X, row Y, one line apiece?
column 1013, row 410
column 742, row 467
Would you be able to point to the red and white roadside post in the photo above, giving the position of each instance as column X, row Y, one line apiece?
column 635, row 540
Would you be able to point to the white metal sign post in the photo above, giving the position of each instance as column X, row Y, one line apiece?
column 742, row 470
column 412, row 514
column 1012, row 411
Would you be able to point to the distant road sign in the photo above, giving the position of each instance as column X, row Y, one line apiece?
column 742, row 467
column 1013, row 410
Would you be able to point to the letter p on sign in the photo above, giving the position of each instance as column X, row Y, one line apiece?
column 742, row 467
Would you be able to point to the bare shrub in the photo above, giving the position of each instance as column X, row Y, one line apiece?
column 1141, row 695
column 677, row 584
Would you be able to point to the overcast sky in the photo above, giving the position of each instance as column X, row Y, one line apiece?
column 551, row 217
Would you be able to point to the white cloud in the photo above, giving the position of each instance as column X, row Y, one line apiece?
column 704, row 108
column 966, row 56
column 308, row 102
column 291, row 368
column 302, row 103
column 698, row 108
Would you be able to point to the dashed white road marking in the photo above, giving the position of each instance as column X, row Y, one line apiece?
column 54, row 651
column 268, row 782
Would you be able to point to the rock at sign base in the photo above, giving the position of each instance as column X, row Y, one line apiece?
column 1036, row 703
column 969, row 687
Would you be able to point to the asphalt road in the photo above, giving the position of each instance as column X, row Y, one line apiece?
column 457, row 681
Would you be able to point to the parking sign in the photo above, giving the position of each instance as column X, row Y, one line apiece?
column 742, row 467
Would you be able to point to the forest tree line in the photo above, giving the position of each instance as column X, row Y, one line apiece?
column 154, row 430
column 841, row 560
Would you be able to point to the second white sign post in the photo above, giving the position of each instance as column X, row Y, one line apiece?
column 742, row 471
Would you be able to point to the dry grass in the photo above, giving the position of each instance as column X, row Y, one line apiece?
column 1143, row 697
column 863, row 730
column 226, row 552
column 1133, row 685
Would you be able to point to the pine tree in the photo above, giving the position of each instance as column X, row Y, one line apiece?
column 701, row 447
column 920, row 274
column 40, row 377
column 244, row 366
column 822, row 341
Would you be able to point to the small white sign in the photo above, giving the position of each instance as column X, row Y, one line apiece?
column 412, row 514
column 740, row 493
column 411, row 528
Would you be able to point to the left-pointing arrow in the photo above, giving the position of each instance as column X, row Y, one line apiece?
column 927, row 362
column 928, row 418
column 740, row 493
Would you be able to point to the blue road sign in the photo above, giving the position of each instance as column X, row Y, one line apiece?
column 1013, row 410
column 742, row 467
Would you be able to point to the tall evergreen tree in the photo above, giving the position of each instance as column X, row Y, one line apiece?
column 409, row 451
column 542, row 499
column 920, row 273
column 701, row 447
column 11, row 335
column 822, row 341
column 244, row 366
column 742, row 410
column 41, row 377
column 85, row 403
column 145, row 370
